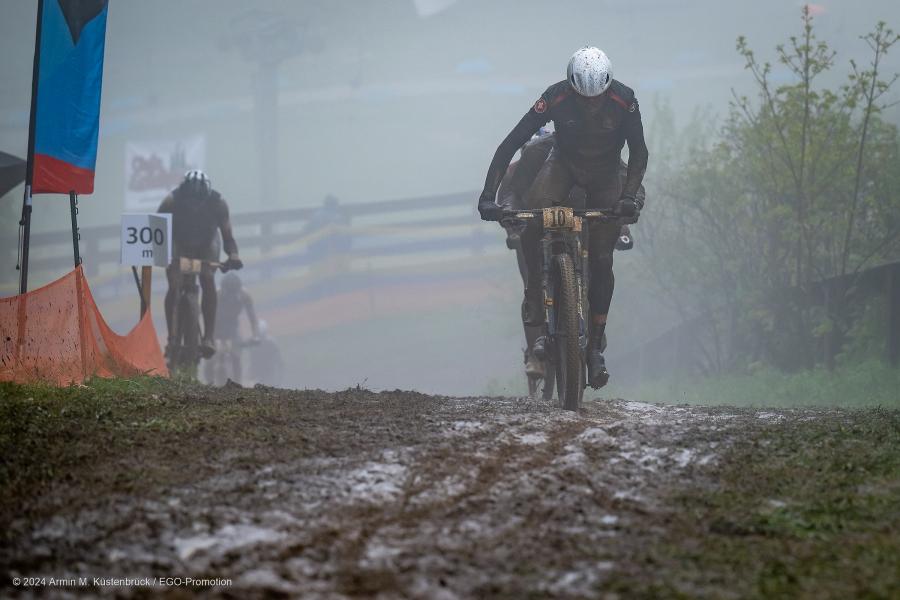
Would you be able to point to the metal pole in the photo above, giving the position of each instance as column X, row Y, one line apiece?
column 266, row 105
column 25, row 227
column 140, row 288
column 146, row 284
column 73, row 208
column 25, row 222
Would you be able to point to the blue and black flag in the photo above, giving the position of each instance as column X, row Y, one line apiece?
column 67, row 112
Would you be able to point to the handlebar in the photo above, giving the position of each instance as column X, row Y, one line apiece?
column 194, row 265
column 598, row 214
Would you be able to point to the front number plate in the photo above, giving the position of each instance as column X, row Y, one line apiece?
column 559, row 217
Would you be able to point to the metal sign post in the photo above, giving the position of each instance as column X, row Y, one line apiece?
column 25, row 222
column 76, row 236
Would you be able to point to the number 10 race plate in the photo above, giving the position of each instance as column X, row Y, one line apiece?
column 559, row 217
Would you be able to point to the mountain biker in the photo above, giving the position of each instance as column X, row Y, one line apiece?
column 513, row 187
column 594, row 117
column 234, row 300
column 198, row 211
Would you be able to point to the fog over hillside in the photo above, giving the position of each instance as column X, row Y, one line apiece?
column 286, row 102
column 385, row 99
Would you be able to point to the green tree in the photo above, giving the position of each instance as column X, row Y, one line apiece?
column 801, row 187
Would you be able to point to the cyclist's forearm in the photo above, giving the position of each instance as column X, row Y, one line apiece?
column 229, row 244
column 637, row 166
column 641, row 196
column 638, row 156
column 520, row 134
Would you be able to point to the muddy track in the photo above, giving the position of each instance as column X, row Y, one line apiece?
column 404, row 496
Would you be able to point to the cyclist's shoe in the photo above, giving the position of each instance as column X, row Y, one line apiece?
column 539, row 349
column 597, row 373
column 625, row 240
column 532, row 308
column 533, row 366
column 207, row 348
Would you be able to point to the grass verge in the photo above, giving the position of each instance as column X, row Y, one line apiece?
column 868, row 384
column 798, row 509
column 118, row 435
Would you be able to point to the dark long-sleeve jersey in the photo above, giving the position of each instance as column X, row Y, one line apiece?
column 591, row 140
column 195, row 221
column 522, row 173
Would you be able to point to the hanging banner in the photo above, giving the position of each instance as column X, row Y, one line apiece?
column 67, row 111
column 155, row 168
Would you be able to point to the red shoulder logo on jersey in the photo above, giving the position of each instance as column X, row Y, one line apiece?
column 540, row 106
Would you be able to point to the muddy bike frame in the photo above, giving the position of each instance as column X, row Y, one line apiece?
column 564, row 234
column 184, row 351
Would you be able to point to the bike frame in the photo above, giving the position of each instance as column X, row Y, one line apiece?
column 187, row 297
column 571, row 238
column 553, row 243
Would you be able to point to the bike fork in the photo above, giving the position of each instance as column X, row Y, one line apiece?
column 546, row 291
column 581, row 256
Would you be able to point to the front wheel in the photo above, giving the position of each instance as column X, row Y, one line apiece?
column 187, row 356
column 568, row 359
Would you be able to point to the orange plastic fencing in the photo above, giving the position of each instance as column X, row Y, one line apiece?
column 56, row 334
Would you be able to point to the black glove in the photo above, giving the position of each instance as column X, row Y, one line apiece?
column 233, row 264
column 626, row 206
column 488, row 209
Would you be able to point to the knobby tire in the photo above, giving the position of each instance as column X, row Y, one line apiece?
column 569, row 362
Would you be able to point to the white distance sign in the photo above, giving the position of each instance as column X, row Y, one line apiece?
column 146, row 240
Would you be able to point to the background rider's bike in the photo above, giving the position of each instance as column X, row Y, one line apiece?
column 537, row 381
column 226, row 362
column 564, row 282
column 183, row 350
column 542, row 383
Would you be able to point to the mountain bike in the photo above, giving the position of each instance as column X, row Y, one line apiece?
column 564, row 283
column 183, row 351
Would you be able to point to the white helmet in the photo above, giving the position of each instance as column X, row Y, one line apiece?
column 197, row 182
column 589, row 72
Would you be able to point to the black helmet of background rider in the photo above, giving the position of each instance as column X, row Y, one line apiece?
column 196, row 183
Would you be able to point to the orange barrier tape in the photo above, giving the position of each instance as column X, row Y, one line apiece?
column 56, row 334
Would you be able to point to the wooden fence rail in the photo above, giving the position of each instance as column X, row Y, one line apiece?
column 260, row 233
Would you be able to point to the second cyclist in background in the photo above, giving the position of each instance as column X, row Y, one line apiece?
column 233, row 300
